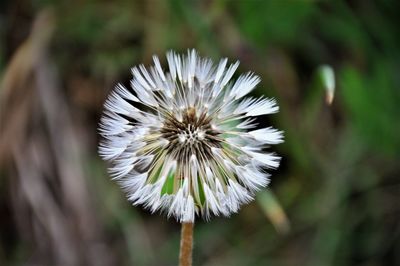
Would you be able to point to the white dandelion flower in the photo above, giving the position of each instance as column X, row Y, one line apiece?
column 184, row 141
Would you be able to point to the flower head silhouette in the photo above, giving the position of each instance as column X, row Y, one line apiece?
column 184, row 141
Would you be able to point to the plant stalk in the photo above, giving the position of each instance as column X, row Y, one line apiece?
column 186, row 248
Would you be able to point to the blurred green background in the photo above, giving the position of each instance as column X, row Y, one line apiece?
column 335, row 198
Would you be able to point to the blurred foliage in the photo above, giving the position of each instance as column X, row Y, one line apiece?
column 339, row 180
column 274, row 21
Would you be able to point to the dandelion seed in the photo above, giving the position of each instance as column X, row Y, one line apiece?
column 188, row 151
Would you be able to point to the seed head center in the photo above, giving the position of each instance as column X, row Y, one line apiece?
column 192, row 134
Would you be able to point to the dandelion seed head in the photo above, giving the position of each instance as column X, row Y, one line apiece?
column 192, row 149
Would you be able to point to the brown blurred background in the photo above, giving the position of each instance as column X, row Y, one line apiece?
column 335, row 199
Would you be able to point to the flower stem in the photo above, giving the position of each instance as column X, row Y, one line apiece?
column 185, row 254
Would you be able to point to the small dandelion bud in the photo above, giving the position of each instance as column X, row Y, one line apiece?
column 184, row 141
column 327, row 76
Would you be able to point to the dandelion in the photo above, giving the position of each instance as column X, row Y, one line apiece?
column 184, row 141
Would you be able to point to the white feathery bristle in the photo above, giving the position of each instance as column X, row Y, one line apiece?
column 267, row 135
column 244, row 85
column 262, row 107
column 220, row 70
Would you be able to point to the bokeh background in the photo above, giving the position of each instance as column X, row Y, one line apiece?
column 335, row 199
